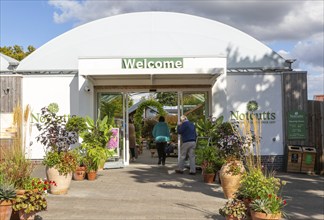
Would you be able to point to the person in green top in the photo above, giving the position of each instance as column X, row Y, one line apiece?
column 161, row 134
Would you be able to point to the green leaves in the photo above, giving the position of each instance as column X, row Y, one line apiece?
column 234, row 207
column 7, row 192
column 30, row 201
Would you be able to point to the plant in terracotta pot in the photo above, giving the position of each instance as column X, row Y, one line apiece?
column 60, row 161
column 93, row 158
column 268, row 207
column 232, row 149
column 80, row 171
column 7, row 196
column 209, row 160
column 234, row 209
column 29, row 204
column 95, row 140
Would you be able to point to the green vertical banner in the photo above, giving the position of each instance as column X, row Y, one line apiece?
column 297, row 122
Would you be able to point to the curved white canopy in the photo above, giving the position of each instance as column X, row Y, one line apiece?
column 152, row 34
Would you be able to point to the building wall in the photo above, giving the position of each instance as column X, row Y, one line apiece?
column 10, row 92
column 40, row 91
column 265, row 89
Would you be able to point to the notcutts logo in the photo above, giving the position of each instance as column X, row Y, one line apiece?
column 252, row 107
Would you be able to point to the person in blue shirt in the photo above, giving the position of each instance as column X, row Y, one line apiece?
column 161, row 134
column 188, row 133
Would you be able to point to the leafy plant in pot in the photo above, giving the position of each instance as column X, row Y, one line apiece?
column 232, row 149
column 29, row 204
column 234, row 209
column 7, row 196
column 60, row 161
column 210, row 161
column 95, row 139
column 268, row 207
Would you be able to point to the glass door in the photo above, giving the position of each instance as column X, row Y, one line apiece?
column 112, row 105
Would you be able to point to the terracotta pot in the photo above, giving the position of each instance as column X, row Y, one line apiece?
column 231, row 217
column 247, row 203
column 62, row 182
column 209, row 177
column 5, row 210
column 230, row 183
column 20, row 192
column 79, row 173
column 92, row 175
column 26, row 216
column 262, row 216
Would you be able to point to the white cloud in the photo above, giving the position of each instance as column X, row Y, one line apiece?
column 263, row 19
column 310, row 50
column 315, row 84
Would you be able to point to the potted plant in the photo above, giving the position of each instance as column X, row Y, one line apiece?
column 95, row 140
column 210, row 161
column 80, row 171
column 232, row 149
column 37, row 185
column 256, row 184
column 7, row 196
column 29, row 204
column 267, row 207
column 93, row 158
column 60, row 161
column 234, row 209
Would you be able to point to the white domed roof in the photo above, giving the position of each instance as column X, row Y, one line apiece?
column 7, row 64
column 151, row 34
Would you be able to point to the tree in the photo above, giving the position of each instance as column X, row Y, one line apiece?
column 167, row 98
column 17, row 52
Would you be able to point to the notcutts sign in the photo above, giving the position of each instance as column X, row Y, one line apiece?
column 266, row 117
column 297, row 122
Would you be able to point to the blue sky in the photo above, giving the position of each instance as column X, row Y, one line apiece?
column 294, row 28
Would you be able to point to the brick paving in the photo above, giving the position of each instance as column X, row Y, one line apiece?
column 145, row 190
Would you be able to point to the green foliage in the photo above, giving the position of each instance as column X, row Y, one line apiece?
column 17, row 52
column 235, row 208
column 95, row 156
column 209, row 159
column 148, row 128
column 76, row 124
column 64, row 162
column 38, row 184
column 95, row 139
column 208, row 127
column 30, row 201
column 167, row 98
column 16, row 169
column 269, row 204
column 254, row 184
column 138, row 116
column 97, row 133
column 7, row 192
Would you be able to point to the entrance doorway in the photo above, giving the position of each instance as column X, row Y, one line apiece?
column 120, row 106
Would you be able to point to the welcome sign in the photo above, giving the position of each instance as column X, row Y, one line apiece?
column 152, row 63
